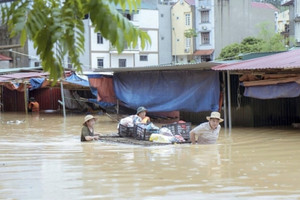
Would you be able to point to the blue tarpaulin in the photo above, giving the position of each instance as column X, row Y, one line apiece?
column 162, row 91
column 285, row 90
column 36, row 83
column 77, row 80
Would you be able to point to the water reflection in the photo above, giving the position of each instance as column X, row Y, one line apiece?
column 43, row 158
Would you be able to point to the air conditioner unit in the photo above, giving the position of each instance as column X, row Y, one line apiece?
column 202, row 7
column 186, row 50
column 298, row 40
column 204, row 27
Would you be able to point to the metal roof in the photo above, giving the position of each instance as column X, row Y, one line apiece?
column 189, row 66
column 24, row 75
column 286, row 60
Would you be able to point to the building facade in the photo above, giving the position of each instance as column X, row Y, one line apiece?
column 182, row 19
column 104, row 55
column 222, row 22
column 294, row 20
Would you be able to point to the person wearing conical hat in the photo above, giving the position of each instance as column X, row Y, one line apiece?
column 207, row 132
column 87, row 131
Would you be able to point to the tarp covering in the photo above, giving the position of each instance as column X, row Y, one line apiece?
column 36, row 83
column 162, row 91
column 105, row 89
column 286, row 90
column 74, row 79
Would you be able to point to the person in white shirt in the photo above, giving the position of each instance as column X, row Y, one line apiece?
column 207, row 132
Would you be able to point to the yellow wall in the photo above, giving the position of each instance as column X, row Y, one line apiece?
column 283, row 18
column 178, row 20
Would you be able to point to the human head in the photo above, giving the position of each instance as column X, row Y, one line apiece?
column 89, row 119
column 141, row 111
column 32, row 99
column 214, row 119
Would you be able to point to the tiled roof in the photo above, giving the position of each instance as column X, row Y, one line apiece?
column 190, row 2
column 286, row 60
column 206, row 52
column 263, row 5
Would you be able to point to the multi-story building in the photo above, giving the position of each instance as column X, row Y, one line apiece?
column 294, row 19
column 104, row 55
column 222, row 22
column 182, row 17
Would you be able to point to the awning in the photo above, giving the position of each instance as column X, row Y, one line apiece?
column 286, row 60
column 4, row 58
column 18, row 76
column 287, row 2
column 206, row 52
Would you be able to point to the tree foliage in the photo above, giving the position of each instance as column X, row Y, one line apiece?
column 189, row 33
column 56, row 27
column 267, row 41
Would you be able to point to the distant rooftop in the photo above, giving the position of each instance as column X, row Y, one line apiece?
column 263, row 5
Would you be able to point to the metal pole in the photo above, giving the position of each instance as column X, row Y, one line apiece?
column 25, row 97
column 224, row 100
column 229, row 100
column 63, row 98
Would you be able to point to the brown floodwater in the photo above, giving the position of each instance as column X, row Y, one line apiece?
column 42, row 158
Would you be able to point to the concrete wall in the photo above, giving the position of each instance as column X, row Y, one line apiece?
column 236, row 20
column 164, row 38
column 146, row 20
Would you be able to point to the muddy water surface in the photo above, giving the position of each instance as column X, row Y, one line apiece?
column 41, row 157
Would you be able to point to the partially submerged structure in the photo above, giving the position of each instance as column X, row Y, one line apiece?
column 264, row 91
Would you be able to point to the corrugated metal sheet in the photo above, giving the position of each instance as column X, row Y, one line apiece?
column 178, row 66
column 13, row 101
column 24, row 75
column 47, row 98
column 286, row 60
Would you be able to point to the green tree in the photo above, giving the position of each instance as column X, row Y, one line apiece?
column 56, row 27
column 272, row 41
column 267, row 41
column 251, row 44
column 230, row 52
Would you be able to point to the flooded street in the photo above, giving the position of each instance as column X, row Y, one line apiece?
column 42, row 158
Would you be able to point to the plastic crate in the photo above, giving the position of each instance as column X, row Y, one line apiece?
column 182, row 129
column 125, row 131
column 141, row 133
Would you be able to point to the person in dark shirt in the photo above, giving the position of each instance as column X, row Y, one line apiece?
column 87, row 131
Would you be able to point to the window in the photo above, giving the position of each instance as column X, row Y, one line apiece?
column 100, row 62
column 205, row 16
column 187, row 42
column 205, row 38
column 99, row 38
column 143, row 58
column 128, row 16
column 122, row 62
column 187, row 19
column 205, row 58
column 36, row 64
column 70, row 66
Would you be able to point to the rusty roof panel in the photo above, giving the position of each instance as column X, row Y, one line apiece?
column 286, row 60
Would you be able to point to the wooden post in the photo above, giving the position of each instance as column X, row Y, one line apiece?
column 224, row 100
column 229, row 100
column 25, row 98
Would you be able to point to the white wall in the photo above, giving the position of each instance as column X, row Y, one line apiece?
column 96, row 55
